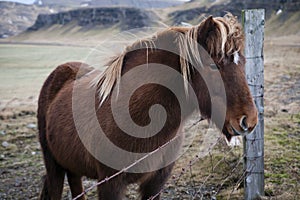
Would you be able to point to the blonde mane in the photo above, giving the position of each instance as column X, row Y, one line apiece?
column 228, row 40
column 231, row 37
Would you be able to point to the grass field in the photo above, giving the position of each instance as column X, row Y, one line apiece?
column 25, row 67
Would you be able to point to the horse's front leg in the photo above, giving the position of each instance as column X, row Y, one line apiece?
column 111, row 190
column 152, row 186
column 75, row 184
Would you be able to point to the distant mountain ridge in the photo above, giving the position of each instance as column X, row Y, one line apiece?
column 17, row 17
column 235, row 7
column 108, row 3
column 283, row 15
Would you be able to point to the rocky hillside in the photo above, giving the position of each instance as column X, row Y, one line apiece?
column 16, row 17
column 108, row 3
column 126, row 18
column 282, row 15
column 235, row 7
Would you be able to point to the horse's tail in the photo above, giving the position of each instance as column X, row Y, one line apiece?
column 53, row 84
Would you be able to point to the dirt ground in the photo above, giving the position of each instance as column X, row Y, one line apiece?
column 215, row 176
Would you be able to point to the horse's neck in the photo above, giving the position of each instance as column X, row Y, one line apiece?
column 161, row 50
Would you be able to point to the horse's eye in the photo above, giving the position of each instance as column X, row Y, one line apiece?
column 214, row 66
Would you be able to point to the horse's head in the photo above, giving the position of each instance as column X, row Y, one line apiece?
column 223, row 41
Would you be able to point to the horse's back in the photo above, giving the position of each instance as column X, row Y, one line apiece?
column 55, row 81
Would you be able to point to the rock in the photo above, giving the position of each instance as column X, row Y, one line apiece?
column 286, row 77
column 5, row 144
column 18, row 183
column 9, row 146
column 32, row 126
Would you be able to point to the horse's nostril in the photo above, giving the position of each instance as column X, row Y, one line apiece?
column 243, row 123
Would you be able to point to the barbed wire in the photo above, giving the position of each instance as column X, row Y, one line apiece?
column 134, row 163
column 185, row 169
column 125, row 168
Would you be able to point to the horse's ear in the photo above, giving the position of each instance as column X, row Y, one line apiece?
column 206, row 27
column 207, row 35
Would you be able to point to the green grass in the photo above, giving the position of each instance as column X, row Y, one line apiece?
column 282, row 154
column 25, row 67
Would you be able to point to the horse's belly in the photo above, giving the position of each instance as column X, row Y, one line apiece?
column 72, row 159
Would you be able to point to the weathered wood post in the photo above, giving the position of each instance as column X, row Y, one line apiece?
column 253, row 22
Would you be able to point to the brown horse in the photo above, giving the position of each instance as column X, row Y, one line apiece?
column 63, row 147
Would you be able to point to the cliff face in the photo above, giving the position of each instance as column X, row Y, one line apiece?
column 127, row 18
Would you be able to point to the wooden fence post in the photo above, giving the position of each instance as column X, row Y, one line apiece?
column 253, row 22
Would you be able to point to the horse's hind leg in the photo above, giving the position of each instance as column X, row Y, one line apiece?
column 44, row 193
column 54, row 179
column 75, row 184
column 152, row 187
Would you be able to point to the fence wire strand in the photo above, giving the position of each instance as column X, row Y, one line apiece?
column 174, row 180
column 133, row 164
